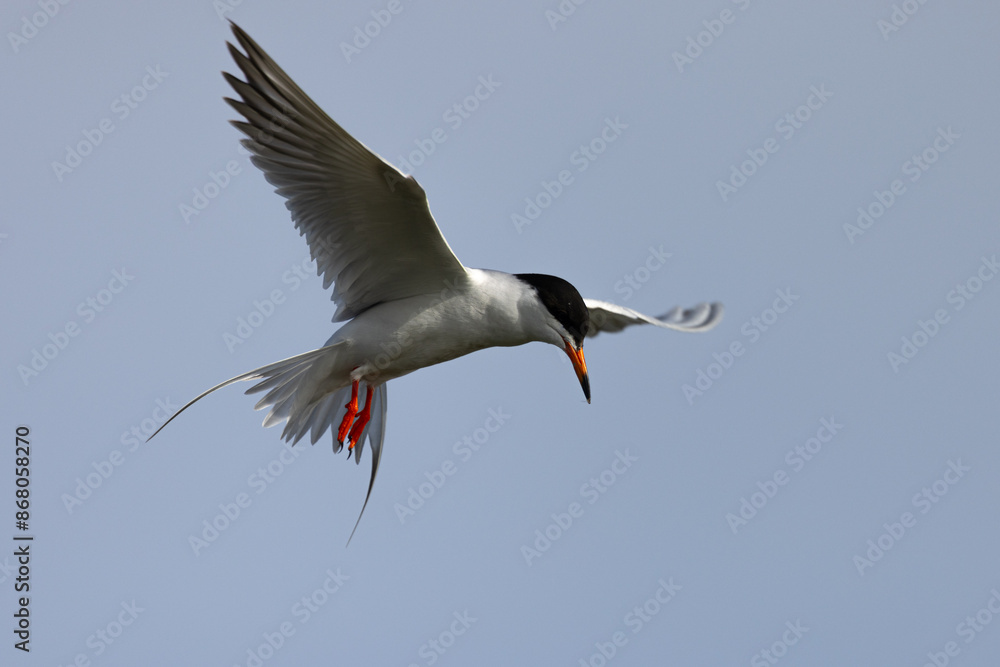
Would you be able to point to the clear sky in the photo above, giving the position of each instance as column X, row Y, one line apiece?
column 813, row 482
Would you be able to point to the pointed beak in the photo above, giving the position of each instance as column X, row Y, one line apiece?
column 580, row 366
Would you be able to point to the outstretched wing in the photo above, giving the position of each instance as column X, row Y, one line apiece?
column 368, row 226
column 610, row 317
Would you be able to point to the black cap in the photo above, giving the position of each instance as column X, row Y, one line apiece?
column 563, row 301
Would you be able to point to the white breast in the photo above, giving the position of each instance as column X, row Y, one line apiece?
column 398, row 337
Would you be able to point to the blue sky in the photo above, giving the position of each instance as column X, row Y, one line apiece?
column 811, row 482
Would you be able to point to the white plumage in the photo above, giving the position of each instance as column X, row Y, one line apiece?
column 409, row 302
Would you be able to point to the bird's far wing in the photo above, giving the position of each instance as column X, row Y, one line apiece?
column 611, row 317
column 368, row 226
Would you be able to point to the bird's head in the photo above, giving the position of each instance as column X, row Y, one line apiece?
column 566, row 318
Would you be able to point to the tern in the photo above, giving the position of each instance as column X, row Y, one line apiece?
column 408, row 302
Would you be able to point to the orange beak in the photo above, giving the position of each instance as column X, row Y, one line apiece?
column 580, row 366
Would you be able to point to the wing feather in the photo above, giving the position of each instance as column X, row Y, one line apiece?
column 368, row 226
column 611, row 318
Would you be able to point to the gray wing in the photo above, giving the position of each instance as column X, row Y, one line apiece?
column 610, row 317
column 368, row 226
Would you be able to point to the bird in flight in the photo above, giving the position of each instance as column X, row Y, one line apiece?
column 407, row 301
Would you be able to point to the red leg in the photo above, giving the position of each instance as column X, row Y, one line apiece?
column 362, row 421
column 352, row 410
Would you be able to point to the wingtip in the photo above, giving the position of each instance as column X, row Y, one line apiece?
column 236, row 29
column 717, row 312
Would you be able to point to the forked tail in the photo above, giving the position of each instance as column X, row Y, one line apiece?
column 290, row 385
